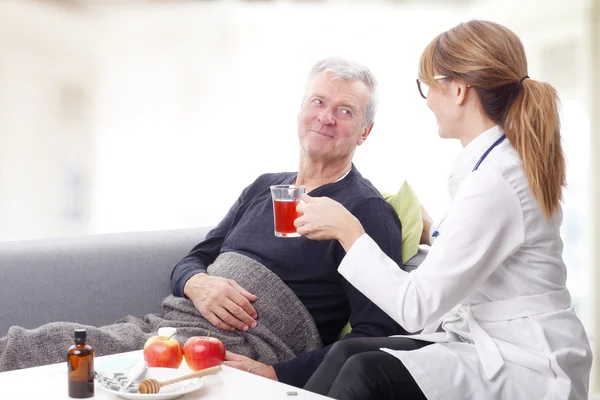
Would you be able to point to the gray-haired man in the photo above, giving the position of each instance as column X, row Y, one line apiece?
column 335, row 118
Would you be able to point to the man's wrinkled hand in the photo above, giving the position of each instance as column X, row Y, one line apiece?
column 223, row 302
column 244, row 363
column 427, row 222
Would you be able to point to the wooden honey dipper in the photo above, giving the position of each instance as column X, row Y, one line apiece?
column 152, row 386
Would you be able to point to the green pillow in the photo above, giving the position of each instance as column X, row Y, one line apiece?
column 407, row 207
column 345, row 330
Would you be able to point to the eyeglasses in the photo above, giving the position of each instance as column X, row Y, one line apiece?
column 424, row 88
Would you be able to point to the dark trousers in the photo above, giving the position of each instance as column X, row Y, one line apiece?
column 355, row 369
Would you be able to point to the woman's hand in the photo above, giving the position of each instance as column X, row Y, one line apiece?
column 324, row 218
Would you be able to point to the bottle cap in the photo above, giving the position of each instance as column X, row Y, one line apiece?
column 167, row 331
column 80, row 334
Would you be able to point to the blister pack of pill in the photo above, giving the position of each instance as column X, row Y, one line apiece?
column 116, row 381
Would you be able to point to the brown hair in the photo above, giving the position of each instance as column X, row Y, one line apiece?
column 491, row 59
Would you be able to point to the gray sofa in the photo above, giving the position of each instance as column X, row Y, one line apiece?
column 95, row 279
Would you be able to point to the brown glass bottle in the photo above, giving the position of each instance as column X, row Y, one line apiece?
column 80, row 360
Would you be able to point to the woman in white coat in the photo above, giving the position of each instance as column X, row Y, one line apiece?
column 490, row 297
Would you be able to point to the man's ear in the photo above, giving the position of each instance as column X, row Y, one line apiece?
column 365, row 133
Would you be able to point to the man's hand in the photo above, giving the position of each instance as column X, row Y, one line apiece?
column 249, row 365
column 427, row 222
column 223, row 302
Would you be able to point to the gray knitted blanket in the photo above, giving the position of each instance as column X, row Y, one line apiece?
column 285, row 328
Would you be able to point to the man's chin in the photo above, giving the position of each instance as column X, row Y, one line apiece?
column 320, row 154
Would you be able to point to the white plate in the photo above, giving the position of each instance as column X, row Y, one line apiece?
column 168, row 392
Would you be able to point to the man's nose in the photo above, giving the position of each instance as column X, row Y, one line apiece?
column 326, row 118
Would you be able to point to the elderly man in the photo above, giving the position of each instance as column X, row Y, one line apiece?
column 274, row 302
column 335, row 118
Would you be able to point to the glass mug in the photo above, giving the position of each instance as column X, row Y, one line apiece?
column 285, row 200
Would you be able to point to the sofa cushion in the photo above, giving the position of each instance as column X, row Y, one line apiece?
column 407, row 207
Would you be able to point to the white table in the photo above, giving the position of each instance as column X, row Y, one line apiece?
column 50, row 382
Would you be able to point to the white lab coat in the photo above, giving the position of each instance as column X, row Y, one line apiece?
column 495, row 280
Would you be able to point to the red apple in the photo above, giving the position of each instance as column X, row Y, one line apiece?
column 203, row 352
column 163, row 351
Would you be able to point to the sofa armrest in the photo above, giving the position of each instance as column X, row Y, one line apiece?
column 92, row 280
column 414, row 262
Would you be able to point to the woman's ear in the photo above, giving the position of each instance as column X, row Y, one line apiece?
column 460, row 92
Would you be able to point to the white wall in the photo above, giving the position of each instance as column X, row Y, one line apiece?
column 45, row 78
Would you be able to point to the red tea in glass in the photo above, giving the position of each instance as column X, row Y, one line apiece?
column 285, row 214
column 285, row 200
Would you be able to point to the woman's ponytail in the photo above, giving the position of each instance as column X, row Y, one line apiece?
column 532, row 125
